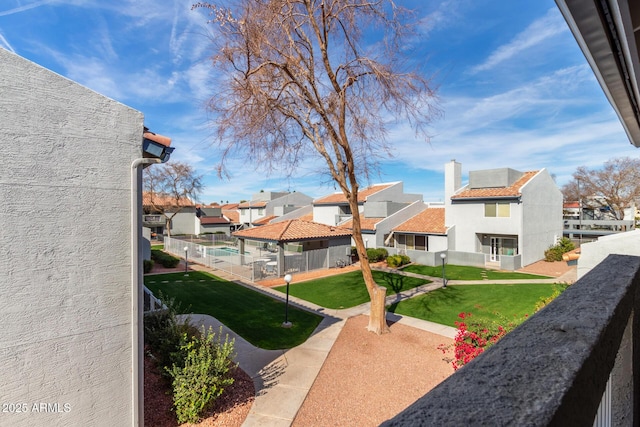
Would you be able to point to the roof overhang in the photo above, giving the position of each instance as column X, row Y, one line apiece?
column 608, row 32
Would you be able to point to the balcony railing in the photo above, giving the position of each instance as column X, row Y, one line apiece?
column 554, row 368
column 153, row 219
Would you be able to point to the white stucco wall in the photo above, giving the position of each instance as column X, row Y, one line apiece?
column 542, row 221
column 65, row 287
column 184, row 222
column 593, row 253
column 469, row 219
column 325, row 214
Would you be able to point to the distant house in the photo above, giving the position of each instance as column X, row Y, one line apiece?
column 211, row 220
column 502, row 216
column 232, row 214
column 162, row 211
column 381, row 207
column 422, row 236
column 266, row 206
column 71, row 281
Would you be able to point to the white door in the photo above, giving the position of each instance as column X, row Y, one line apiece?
column 495, row 249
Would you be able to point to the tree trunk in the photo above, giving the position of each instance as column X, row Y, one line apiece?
column 377, row 294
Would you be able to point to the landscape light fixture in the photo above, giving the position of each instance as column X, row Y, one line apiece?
column 186, row 260
column 444, row 280
column 286, row 323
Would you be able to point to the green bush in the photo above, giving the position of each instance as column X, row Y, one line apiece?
column 203, row 375
column 163, row 332
column 554, row 253
column 165, row 259
column 377, row 254
column 148, row 265
column 395, row 261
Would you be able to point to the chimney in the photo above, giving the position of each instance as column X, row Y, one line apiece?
column 452, row 179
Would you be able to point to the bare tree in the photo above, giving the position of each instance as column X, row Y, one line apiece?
column 170, row 187
column 298, row 80
column 616, row 186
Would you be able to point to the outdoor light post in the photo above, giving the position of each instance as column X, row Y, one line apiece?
column 186, row 260
column 444, row 280
column 286, row 323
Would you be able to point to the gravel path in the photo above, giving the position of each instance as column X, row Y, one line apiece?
column 367, row 379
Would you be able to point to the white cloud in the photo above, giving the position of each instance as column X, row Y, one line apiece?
column 25, row 7
column 537, row 33
column 4, row 43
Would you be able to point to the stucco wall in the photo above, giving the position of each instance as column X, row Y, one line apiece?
column 469, row 219
column 65, row 287
column 541, row 217
column 325, row 214
column 184, row 222
column 593, row 253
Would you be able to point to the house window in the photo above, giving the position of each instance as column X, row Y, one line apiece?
column 500, row 209
column 411, row 242
column 261, row 211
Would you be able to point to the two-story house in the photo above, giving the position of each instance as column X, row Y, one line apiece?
column 381, row 207
column 268, row 205
column 502, row 216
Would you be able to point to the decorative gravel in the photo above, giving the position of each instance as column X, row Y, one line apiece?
column 368, row 379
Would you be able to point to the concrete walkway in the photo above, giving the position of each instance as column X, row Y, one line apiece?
column 282, row 378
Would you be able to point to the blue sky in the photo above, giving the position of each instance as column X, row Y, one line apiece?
column 514, row 87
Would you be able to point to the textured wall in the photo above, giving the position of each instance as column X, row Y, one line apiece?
column 65, row 287
column 552, row 369
column 542, row 220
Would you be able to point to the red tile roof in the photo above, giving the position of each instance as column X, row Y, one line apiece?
column 571, row 205
column 292, row 231
column 150, row 199
column 365, row 223
column 209, row 220
column 256, row 204
column 484, row 193
column 307, row 217
column 337, row 198
column 229, row 206
column 429, row 221
column 160, row 139
column 234, row 216
column 264, row 220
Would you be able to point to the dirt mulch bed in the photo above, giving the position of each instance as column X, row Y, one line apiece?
column 553, row 269
column 368, row 379
column 229, row 410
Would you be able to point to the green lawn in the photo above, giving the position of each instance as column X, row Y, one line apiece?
column 460, row 272
column 348, row 289
column 254, row 316
column 160, row 247
column 499, row 303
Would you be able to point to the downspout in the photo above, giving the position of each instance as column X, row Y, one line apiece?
column 137, row 295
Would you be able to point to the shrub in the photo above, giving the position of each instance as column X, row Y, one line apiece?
column 203, row 375
column 163, row 332
column 165, row 259
column 554, row 253
column 377, row 254
column 395, row 261
column 543, row 301
column 148, row 265
column 474, row 337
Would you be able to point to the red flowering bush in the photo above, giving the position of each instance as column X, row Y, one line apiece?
column 472, row 339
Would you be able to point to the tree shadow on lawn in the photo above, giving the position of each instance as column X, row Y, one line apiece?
column 424, row 303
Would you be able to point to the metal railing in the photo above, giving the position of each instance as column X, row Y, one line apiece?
column 554, row 368
column 257, row 262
